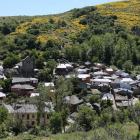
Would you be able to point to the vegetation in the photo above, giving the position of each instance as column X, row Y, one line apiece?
column 106, row 33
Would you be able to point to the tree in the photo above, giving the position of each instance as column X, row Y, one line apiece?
column 10, row 61
column 55, row 122
column 134, row 113
column 95, row 59
column 40, row 63
column 11, row 97
column 64, row 114
column 3, row 114
column 39, row 101
column 94, row 99
column 44, row 75
column 17, row 126
column 55, row 54
column 34, row 54
column 74, row 78
column 50, row 44
column 64, row 87
column 106, row 103
column 128, row 66
column 120, row 64
column 46, row 55
column 86, row 117
column 51, row 65
column 8, row 83
column 3, row 131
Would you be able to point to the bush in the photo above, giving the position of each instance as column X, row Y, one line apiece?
column 44, row 133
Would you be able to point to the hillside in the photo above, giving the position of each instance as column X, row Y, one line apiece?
column 127, row 12
column 61, row 33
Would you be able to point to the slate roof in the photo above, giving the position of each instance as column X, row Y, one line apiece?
column 126, row 80
column 123, row 91
column 134, row 82
column 138, row 77
column 49, row 84
column 81, row 67
column 116, row 81
column 20, row 79
column 89, row 105
column 25, row 86
column 100, row 73
column 107, row 96
column 124, row 74
column 28, row 108
column 19, row 64
column 81, row 70
column 2, row 94
column 87, row 63
column 74, row 100
column 114, row 76
column 101, row 80
column 119, row 72
column 103, row 84
column 95, row 68
column 73, row 114
column 10, row 108
column 109, row 69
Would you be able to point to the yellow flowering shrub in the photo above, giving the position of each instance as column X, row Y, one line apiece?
column 127, row 12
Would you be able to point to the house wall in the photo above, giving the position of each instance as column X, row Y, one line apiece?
column 31, row 120
column 87, row 80
column 28, row 65
column 22, row 92
column 96, row 83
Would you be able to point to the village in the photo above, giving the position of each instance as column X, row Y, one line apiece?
column 96, row 79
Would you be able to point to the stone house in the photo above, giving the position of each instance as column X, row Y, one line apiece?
column 28, row 113
column 63, row 69
column 74, row 102
column 26, row 67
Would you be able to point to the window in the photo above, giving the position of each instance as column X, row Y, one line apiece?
column 48, row 117
column 27, row 123
column 22, row 115
column 33, row 122
column 28, row 116
column 33, row 115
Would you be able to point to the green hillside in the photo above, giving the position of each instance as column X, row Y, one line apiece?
column 78, row 34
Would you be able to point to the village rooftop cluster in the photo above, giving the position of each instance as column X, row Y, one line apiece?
column 116, row 85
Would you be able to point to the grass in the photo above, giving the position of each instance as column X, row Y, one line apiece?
column 131, row 127
column 95, row 92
